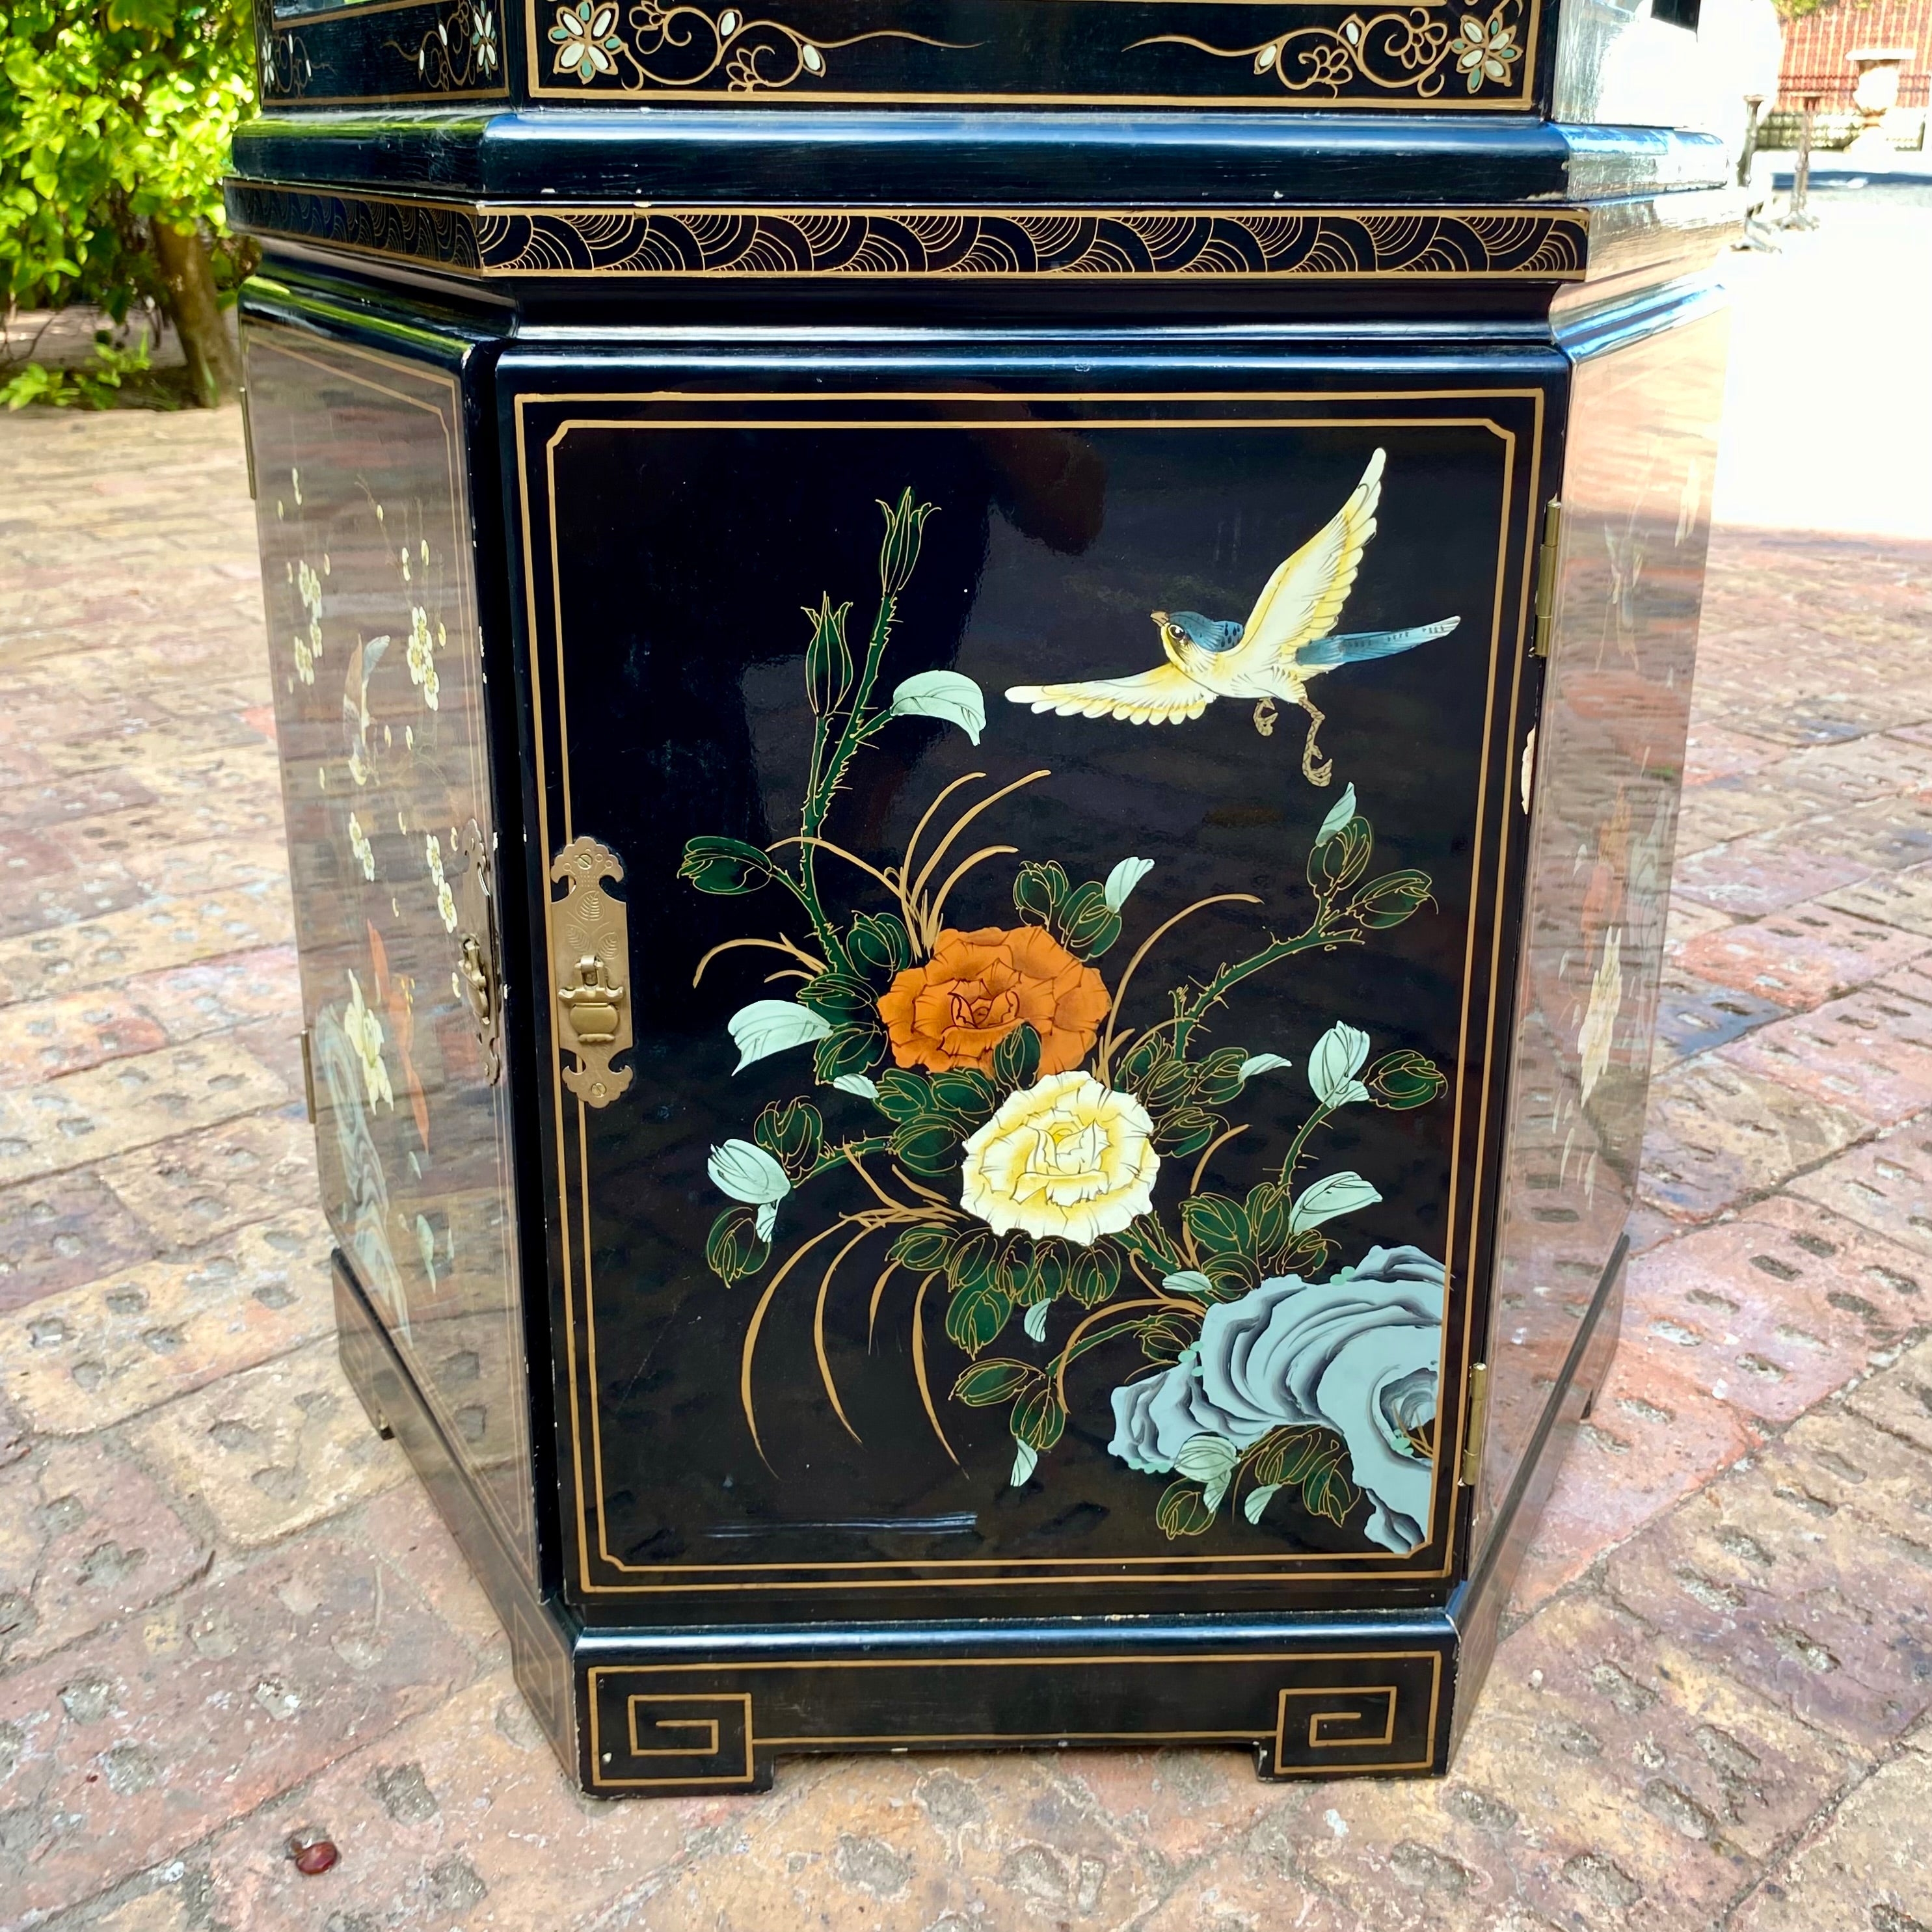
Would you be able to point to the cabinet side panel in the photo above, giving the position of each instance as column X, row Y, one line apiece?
column 374, row 650
column 1601, row 781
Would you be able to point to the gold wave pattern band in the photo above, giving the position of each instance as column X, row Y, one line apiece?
column 1547, row 244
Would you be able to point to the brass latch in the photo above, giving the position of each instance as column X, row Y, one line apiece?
column 1478, row 1430
column 1548, row 559
column 590, row 963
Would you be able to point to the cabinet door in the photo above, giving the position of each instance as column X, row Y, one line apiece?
column 361, row 499
column 1027, row 913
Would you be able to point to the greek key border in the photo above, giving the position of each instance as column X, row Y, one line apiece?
column 485, row 242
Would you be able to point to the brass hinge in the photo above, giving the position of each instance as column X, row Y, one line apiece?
column 308, row 1076
column 1547, row 561
column 1478, row 1424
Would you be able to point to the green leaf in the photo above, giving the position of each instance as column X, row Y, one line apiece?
column 1262, row 1063
column 722, row 865
column 1221, row 1076
column 1093, row 1273
column 1165, row 1337
column 733, row 1248
column 866, row 1089
column 975, row 1316
column 1012, row 1269
column 1344, row 1193
column 1035, row 1321
column 1205, row 1456
column 943, row 694
column 877, row 944
column 1390, row 899
column 1040, row 1417
column 988, row 1385
column 1185, row 1131
column 1332, row 1067
column 1052, row 1261
column 1167, row 1084
column 828, row 659
column 970, row 1264
column 1087, row 925
column 839, row 997
column 1232, row 1275
column 899, row 550
column 1016, row 1058
column 1026, row 1459
column 766, row 1027
column 1325, row 1490
column 1267, row 1206
column 1141, row 1059
column 1123, row 879
column 1403, row 1079
column 1256, row 1501
column 966, row 1093
column 745, row 1172
column 928, row 1144
column 1340, row 859
column 903, row 1095
column 850, row 1050
column 1189, row 1282
column 1183, row 1511
column 1339, row 814
column 1038, row 891
column 791, row 1134
column 922, row 1250
column 1219, row 1226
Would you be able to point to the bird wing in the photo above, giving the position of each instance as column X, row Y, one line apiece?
column 1165, row 695
column 1325, row 653
column 1304, row 597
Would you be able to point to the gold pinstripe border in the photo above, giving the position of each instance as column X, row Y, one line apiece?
column 1167, row 1568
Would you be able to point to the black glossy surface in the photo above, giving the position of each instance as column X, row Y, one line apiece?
column 1043, row 557
column 779, row 155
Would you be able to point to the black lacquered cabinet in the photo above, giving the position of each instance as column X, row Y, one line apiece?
column 980, row 795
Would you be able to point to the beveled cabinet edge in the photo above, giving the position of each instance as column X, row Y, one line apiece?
column 1054, row 1570
column 484, row 242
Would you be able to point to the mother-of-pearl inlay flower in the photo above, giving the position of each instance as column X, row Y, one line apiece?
column 1066, row 1157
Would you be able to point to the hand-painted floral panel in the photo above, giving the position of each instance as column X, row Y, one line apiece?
column 374, row 653
column 1061, row 847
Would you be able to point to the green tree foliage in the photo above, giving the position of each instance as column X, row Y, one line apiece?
column 116, row 117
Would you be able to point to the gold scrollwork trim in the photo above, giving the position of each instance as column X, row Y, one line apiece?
column 1488, row 244
column 678, row 47
column 1397, row 50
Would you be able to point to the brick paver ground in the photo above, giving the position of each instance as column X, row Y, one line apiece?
column 227, row 1614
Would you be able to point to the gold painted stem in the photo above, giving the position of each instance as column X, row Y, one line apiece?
column 1146, row 945
column 918, row 1365
column 818, row 1331
column 758, row 1321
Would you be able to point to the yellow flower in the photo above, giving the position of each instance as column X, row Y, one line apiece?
column 422, row 661
column 359, row 844
column 445, row 900
column 365, row 1035
column 1066, row 1157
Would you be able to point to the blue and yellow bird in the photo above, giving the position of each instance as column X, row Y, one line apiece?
column 1284, row 644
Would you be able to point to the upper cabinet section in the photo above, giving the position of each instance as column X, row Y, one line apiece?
column 1432, row 56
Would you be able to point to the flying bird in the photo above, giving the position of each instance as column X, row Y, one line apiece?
column 1284, row 644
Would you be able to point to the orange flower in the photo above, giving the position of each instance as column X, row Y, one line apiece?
column 978, row 986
